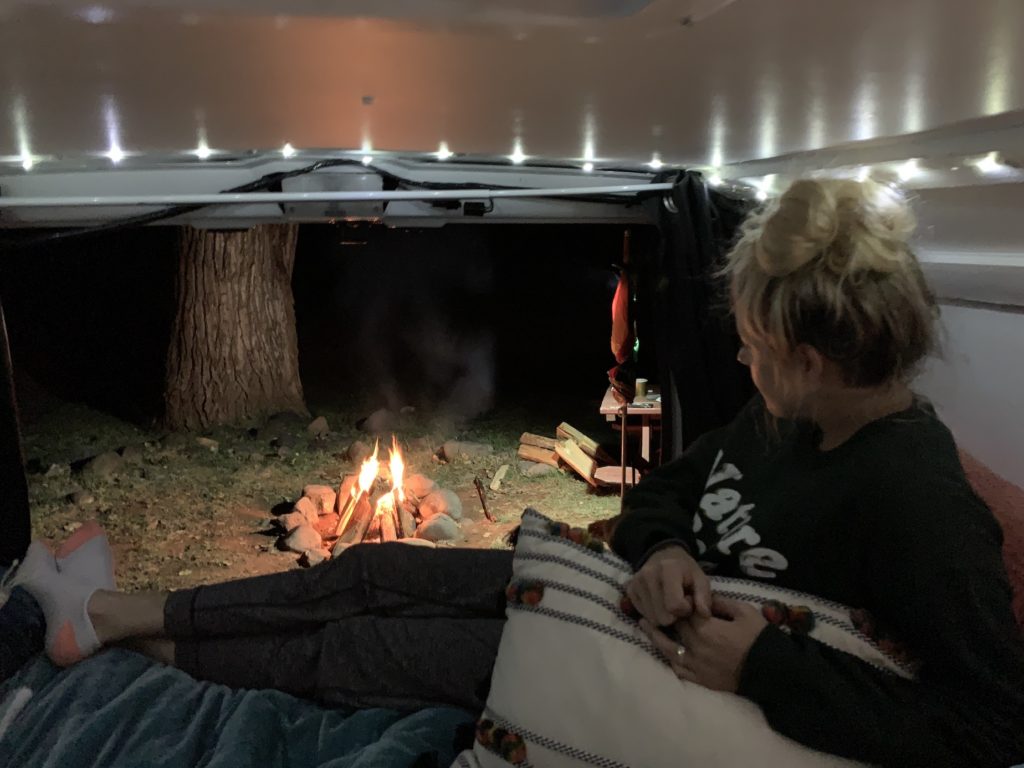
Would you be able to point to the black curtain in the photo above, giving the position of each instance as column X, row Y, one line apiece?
column 702, row 384
column 15, row 524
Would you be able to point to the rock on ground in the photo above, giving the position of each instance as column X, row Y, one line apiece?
column 312, row 557
column 307, row 508
column 290, row 521
column 418, row 542
column 419, row 486
column 454, row 449
column 81, row 498
column 57, row 470
column 441, row 502
column 323, row 497
column 439, row 528
column 358, row 451
column 208, row 444
column 303, row 538
column 131, row 454
column 381, row 420
column 318, row 428
column 536, row 469
column 104, row 465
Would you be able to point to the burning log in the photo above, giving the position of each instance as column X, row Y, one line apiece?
column 388, row 527
column 406, row 521
column 373, row 533
column 367, row 477
column 385, row 513
column 348, row 486
column 362, row 515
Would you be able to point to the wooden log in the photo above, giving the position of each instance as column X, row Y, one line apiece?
column 588, row 445
column 361, row 517
column 538, row 441
column 406, row 521
column 539, row 455
column 373, row 534
column 582, row 464
column 346, row 513
column 499, row 476
column 612, row 476
column 388, row 526
column 345, row 492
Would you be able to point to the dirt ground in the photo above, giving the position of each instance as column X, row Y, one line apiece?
column 180, row 513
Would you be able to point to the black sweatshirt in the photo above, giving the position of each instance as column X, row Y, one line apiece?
column 885, row 522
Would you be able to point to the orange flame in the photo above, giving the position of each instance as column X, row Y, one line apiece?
column 397, row 471
column 385, row 505
column 368, row 472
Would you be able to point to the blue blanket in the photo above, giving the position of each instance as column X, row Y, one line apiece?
column 119, row 709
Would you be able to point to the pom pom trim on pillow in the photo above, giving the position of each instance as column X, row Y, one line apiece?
column 577, row 683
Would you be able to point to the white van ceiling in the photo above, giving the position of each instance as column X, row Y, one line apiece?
column 618, row 82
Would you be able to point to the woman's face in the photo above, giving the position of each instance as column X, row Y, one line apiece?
column 779, row 378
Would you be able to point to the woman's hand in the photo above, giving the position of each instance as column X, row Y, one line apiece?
column 714, row 649
column 670, row 586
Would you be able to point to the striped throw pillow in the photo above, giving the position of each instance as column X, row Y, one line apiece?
column 578, row 684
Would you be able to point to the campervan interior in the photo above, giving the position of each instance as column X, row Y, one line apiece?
column 250, row 247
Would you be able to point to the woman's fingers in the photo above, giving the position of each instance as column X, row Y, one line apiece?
column 670, row 649
column 661, row 641
column 638, row 593
column 673, row 592
column 702, row 599
column 649, row 599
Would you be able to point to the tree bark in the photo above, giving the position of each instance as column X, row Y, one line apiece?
column 234, row 349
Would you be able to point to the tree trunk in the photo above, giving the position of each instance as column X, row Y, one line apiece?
column 234, row 349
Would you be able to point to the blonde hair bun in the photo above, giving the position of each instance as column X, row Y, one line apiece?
column 848, row 227
column 829, row 264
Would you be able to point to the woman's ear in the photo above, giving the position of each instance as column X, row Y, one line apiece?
column 811, row 362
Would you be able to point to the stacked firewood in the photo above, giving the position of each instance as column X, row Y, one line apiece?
column 569, row 448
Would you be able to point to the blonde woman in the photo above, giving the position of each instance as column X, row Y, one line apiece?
column 836, row 481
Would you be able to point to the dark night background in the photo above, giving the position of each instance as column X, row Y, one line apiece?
column 458, row 318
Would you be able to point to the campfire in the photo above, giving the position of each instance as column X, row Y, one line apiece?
column 390, row 518
column 379, row 504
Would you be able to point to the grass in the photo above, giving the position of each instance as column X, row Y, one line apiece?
column 181, row 514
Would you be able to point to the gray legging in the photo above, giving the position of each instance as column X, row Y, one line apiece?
column 383, row 625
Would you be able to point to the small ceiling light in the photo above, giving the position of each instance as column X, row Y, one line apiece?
column 115, row 153
column 863, row 173
column 909, row 170
column 367, row 159
column 27, row 162
column 765, row 187
column 287, row 151
column 990, row 163
column 95, row 14
column 656, row 164
column 443, row 153
column 715, row 179
column 518, row 156
column 203, row 151
column 588, row 167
